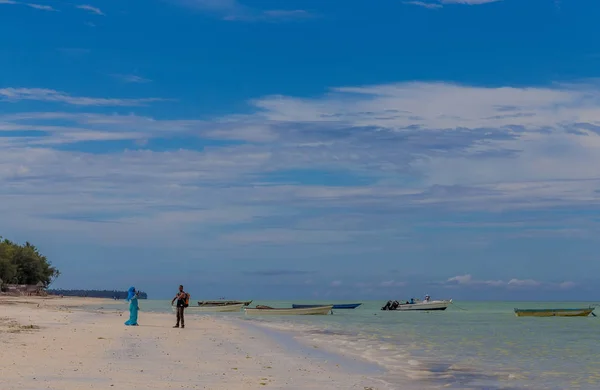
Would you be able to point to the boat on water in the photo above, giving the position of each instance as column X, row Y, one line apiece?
column 580, row 312
column 223, row 303
column 267, row 310
column 335, row 306
column 214, row 308
column 417, row 305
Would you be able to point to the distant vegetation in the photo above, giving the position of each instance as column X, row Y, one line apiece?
column 24, row 264
column 110, row 294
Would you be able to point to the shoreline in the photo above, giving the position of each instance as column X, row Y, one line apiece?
column 57, row 344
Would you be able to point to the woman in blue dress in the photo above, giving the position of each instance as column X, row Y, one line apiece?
column 132, row 297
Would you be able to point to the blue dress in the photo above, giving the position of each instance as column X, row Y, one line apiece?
column 133, row 312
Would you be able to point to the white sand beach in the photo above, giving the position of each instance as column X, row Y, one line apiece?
column 53, row 344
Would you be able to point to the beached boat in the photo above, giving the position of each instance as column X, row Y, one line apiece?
column 581, row 312
column 213, row 308
column 266, row 310
column 222, row 303
column 335, row 306
column 418, row 306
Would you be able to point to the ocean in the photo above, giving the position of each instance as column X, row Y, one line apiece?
column 472, row 345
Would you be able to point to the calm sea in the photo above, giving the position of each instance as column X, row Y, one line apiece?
column 472, row 345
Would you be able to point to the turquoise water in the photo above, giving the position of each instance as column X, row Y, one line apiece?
column 471, row 345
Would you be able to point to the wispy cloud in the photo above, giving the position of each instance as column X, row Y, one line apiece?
column 424, row 4
column 567, row 285
column 468, row 2
column 392, row 283
column 41, row 7
column 31, row 5
column 468, row 280
column 91, row 9
column 50, row 95
column 233, row 10
column 327, row 175
column 279, row 272
column 336, row 283
column 435, row 4
column 523, row 283
column 131, row 78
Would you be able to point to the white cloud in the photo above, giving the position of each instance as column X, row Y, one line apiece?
column 567, row 285
column 91, row 9
column 336, row 283
column 131, row 78
column 41, row 7
column 424, row 4
column 31, row 5
column 523, row 283
column 468, row 280
column 403, row 148
column 50, row 95
column 391, row 283
column 232, row 10
column 468, row 2
column 434, row 4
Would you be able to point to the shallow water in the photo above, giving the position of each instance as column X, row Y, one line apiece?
column 471, row 345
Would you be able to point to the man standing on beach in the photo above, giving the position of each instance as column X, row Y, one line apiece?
column 181, row 298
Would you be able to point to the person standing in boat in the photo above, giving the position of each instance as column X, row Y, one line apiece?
column 182, row 300
column 427, row 297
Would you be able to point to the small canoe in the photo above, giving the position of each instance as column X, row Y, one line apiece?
column 335, row 306
column 582, row 312
column 213, row 308
column 221, row 303
column 265, row 310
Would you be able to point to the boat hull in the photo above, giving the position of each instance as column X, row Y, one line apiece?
column 222, row 303
column 319, row 310
column 425, row 306
column 583, row 312
column 214, row 308
column 338, row 306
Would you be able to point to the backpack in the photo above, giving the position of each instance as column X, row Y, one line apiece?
column 187, row 300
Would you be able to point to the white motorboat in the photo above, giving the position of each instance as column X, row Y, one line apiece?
column 266, row 310
column 213, row 308
column 426, row 305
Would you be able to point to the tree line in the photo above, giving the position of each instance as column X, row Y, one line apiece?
column 24, row 264
column 111, row 294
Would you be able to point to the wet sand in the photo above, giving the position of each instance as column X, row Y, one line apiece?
column 54, row 344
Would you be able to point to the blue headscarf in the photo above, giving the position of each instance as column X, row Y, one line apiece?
column 130, row 293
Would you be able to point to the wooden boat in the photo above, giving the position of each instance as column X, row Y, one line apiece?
column 266, row 310
column 335, row 306
column 421, row 306
column 214, row 308
column 582, row 312
column 221, row 303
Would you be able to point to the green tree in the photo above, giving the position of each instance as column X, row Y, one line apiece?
column 24, row 264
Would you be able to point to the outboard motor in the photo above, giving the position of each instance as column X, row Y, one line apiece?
column 387, row 306
column 395, row 305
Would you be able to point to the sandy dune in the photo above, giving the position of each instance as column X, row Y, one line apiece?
column 75, row 349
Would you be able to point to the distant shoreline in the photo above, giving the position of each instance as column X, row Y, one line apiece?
column 107, row 294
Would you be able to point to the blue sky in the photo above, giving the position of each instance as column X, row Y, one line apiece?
column 306, row 148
